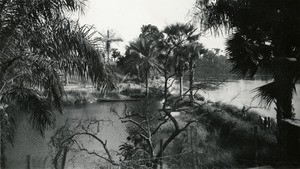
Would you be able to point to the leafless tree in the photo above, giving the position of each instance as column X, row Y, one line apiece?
column 69, row 138
column 145, row 126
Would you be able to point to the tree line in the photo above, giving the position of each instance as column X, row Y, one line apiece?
column 171, row 53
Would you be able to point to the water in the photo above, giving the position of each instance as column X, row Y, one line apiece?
column 240, row 93
column 29, row 142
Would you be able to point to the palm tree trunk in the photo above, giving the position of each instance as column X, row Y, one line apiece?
column 191, row 78
column 107, row 53
column 66, row 78
column 180, row 73
column 166, row 88
column 147, row 83
column 285, row 136
column 181, row 86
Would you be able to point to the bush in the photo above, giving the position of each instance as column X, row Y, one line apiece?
column 134, row 93
column 156, row 93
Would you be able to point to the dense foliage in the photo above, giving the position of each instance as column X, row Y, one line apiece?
column 264, row 34
column 212, row 65
column 38, row 43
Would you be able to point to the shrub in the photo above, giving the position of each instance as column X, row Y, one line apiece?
column 134, row 93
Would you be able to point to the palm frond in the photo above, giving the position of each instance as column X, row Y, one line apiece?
column 267, row 93
column 242, row 56
column 7, row 126
column 41, row 115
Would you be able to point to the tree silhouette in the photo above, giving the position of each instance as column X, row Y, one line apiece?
column 108, row 38
column 194, row 51
column 265, row 34
column 176, row 36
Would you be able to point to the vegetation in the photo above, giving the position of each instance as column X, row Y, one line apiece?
column 212, row 64
column 265, row 34
column 194, row 51
column 143, row 53
column 223, row 137
column 177, row 35
column 107, row 39
column 38, row 42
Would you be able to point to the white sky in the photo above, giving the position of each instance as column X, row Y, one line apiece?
column 126, row 17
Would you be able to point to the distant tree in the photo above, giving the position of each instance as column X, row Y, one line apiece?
column 145, row 52
column 116, row 54
column 151, row 32
column 108, row 38
column 212, row 64
column 141, row 54
column 194, row 52
column 176, row 35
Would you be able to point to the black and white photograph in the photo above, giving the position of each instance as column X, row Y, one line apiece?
column 150, row 84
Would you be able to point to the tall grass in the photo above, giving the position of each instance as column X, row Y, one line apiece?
column 225, row 138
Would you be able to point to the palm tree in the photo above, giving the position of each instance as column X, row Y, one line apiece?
column 177, row 35
column 180, row 65
column 265, row 34
column 108, row 39
column 145, row 57
column 194, row 51
column 38, row 41
column 142, row 54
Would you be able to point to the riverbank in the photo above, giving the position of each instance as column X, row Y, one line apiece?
column 84, row 94
column 225, row 136
column 78, row 93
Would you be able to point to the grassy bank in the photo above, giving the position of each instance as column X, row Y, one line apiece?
column 224, row 137
column 82, row 94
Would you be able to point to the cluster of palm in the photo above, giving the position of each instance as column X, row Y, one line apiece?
column 170, row 52
column 38, row 44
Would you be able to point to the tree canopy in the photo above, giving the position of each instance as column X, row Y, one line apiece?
column 37, row 43
column 264, row 34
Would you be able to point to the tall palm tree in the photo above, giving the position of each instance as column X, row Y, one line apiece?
column 108, row 39
column 175, row 36
column 179, row 35
column 180, row 65
column 265, row 34
column 193, row 53
column 37, row 41
column 145, row 51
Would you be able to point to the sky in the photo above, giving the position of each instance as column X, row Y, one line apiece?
column 126, row 17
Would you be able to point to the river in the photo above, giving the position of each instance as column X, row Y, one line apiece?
column 29, row 142
column 241, row 93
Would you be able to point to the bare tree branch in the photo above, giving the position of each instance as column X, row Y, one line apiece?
column 159, row 126
column 136, row 123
